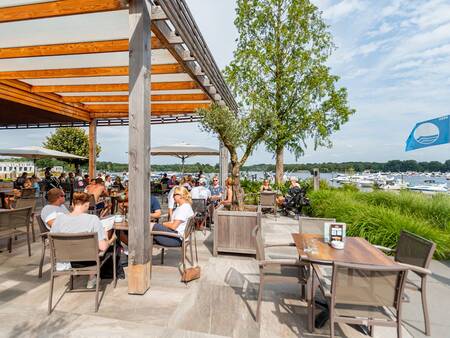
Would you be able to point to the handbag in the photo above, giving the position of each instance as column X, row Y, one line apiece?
column 190, row 274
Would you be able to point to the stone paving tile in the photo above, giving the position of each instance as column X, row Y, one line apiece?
column 222, row 302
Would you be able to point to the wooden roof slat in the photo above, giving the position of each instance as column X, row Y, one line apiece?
column 26, row 97
column 124, row 98
column 59, row 8
column 164, row 107
column 74, row 48
column 85, row 72
column 115, row 87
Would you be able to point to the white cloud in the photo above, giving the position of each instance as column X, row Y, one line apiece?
column 342, row 9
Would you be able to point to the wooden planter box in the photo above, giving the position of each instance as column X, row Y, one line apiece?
column 233, row 230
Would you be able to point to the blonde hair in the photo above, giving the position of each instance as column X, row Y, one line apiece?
column 185, row 194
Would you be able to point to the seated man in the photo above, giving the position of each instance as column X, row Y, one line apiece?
column 216, row 191
column 201, row 191
column 80, row 221
column 98, row 190
column 55, row 206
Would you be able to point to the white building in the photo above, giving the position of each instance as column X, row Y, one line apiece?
column 14, row 169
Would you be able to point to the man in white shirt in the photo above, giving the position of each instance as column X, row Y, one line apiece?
column 201, row 191
column 56, row 200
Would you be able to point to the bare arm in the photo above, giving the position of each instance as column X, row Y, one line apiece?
column 173, row 224
column 156, row 214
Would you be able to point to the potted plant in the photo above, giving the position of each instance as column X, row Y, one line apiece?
column 239, row 131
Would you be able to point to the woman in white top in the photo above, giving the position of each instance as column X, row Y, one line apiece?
column 179, row 218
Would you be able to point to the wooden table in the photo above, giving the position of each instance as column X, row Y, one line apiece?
column 357, row 251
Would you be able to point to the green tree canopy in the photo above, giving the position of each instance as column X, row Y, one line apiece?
column 70, row 140
column 280, row 68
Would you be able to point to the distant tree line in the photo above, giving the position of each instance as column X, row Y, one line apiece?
column 392, row 166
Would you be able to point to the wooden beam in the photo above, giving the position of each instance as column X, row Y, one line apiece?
column 85, row 72
column 124, row 98
column 92, row 147
column 59, row 8
column 162, row 31
column 139, row 244
column 161, row 107
column 122, row 115
column 116, row 87
column 92, row 47
column 25, row 96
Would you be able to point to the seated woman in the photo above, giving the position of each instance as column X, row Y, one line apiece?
column 179, row 219
column 80, row 221
column 228, row 192
column 265, row 186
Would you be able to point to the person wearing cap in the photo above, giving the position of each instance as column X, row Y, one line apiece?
column 201, row 191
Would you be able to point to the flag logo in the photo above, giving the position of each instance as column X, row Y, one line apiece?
column 429, row 133
column 426, row 133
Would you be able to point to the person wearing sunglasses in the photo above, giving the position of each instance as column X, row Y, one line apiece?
column 178, row 221
column 216, row 191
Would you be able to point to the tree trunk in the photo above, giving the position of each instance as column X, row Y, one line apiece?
column 279, row 166
column 238, row 195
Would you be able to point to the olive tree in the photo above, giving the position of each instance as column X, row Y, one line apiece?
column 240, row 132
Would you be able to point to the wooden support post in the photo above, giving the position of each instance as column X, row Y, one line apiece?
column 223, row 164
column 316, row 178
column 92, row 147
column 139, row 148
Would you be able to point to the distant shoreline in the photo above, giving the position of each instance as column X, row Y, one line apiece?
column 325, row 167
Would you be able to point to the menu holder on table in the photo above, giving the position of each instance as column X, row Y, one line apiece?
column 334, row 231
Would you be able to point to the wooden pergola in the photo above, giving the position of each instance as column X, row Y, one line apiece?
column 107, row 63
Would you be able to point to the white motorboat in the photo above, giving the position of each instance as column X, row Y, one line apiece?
column 395, row 185
column 430, row 188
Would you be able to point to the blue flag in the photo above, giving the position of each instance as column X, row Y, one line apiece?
column 429, row 133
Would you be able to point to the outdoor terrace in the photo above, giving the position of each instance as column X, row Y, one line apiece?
column 222, row 303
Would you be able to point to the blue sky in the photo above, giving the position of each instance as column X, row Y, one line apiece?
column 393, row 57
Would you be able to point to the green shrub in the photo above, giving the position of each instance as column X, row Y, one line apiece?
column 379, row 224
column 435, row 208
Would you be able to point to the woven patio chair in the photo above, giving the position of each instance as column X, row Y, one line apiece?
column 186, row 241
column 11, row 220
column 44, row 237
column 415, row 253
column 77, row 247
column 363, row 295
column 268, row 200
column 201, row 212
column 274, row 267
column 313, row 225
column 25, row 203
column 28, row 193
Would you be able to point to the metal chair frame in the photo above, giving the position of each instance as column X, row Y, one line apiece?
column 331, row 294
column 416, row 264
column 8, row 230
column 186, row 241
column 266, row 266
column 268, row 200
column 79, row 247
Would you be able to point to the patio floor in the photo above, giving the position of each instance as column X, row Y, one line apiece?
column 221, row 303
